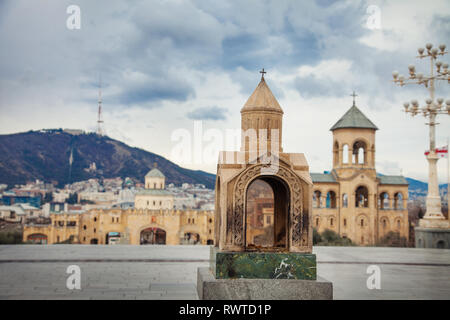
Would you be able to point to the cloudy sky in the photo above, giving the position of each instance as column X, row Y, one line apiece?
column 167, row 64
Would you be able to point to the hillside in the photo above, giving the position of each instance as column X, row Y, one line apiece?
column 45, row 155
column 418, row 188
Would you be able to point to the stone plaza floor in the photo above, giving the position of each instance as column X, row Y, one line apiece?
column 170, row 272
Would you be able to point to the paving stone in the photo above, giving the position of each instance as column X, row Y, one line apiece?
column 405, row 273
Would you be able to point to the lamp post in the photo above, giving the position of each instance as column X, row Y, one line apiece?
column 430, row 110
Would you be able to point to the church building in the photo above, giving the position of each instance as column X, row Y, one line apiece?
column 353, row 199
column 154, row 196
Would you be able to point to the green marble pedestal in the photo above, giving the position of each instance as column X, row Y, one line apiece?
column 263, row 265
column 261, row 276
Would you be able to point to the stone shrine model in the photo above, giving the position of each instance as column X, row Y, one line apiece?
column 268, row 255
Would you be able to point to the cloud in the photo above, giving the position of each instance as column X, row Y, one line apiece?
column 208, row 113
column 161, row 60
column 140, row 88
column 389, row 167
column 330, row 77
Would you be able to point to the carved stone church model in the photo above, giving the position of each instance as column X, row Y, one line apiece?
column 276, row 246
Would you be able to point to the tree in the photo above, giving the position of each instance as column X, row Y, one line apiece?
column 67, row 241
column 421, row 213
column 415, row 212
column 393, row 239
column 330, row 238
column 11, row 237
column 445, row 210
column 316, row 237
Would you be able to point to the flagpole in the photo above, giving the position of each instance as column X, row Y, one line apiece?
column 448, row 181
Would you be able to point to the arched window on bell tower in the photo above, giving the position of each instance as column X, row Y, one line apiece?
column 345, row 154
column 359, row 152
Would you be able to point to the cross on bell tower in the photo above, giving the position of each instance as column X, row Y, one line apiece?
column 354, row 95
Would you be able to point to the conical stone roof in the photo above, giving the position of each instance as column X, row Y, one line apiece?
column 262, row 99
column 354, row 118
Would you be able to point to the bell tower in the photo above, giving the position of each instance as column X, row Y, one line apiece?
column 354, row 141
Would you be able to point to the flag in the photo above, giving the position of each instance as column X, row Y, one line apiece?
column 440, row 152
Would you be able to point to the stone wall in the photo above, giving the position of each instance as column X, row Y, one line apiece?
column 93, row 226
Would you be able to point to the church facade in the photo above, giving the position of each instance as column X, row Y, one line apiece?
column 353, row 199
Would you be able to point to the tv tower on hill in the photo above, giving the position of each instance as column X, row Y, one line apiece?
column 100, row 130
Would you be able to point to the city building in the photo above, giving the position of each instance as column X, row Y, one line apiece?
column 63, row 227
column 150, row 222
column 131, row 226
column 13, row 213
column 16, row 196
column 19, row 212
column 154, row 196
